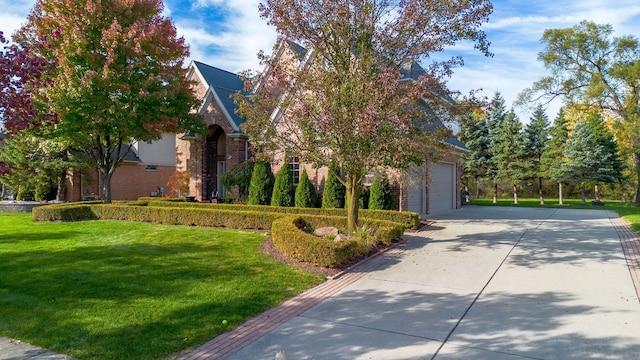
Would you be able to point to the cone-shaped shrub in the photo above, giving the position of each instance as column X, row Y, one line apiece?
column 381, row 195
column 306, row 196
column 334, row 191
column 283, row 190
column 261, row 186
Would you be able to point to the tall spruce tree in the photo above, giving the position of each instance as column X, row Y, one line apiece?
column 536, row 139
column 306, row 196
column 553, row 155
column 509, row 152
column 261, row 186
column 604, row 137
column 494, row 119
column 475, row 136
column 381, row 194
column 284, row 191
column 586, row 159
column 333, row 195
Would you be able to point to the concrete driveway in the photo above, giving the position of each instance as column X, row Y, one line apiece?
column 481, row 283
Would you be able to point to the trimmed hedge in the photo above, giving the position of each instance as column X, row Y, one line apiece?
column 287, row 236
column 159, row 215
column 410, row 220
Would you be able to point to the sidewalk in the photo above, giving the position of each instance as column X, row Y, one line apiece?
column 485, row 283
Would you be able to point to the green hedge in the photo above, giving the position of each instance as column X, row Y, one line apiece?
column 160, row 215
column 288, row 237
column 410, row 220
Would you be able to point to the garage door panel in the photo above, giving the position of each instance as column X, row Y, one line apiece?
column 441, row 187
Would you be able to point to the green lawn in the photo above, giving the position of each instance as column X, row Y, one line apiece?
column 628, row 212
column 126, row 290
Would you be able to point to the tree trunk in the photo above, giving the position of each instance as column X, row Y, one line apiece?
column 477, row 188
column 495, row 193
column 583, row 194
column 560, row 196
column 636, row 157
column 515, row 194
column 597, row 192
column 106, row 186
column 62, row 182
column 353, row 187
column 540, row 191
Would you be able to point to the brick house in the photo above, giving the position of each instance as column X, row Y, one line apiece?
column 427, row 189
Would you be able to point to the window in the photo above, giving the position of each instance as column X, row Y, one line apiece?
column 295, row 168
column 149, row 142
column 151, row 167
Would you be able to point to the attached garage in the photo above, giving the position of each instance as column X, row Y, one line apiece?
column 442, row 187
column 417, row 191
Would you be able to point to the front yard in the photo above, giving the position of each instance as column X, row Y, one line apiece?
column 127, row 290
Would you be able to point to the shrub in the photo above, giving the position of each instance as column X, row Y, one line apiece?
column 306, row 196
column 239, row 175
column 283, row 189
column 410, row 220
column 287, row 236
column 261, row 186
column 381, row 197
column 178, row 184
column 334, row 191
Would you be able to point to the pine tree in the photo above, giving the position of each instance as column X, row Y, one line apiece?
column 283, row 189
column 334, row 191
column 381, row 194
column 536, row 139
column 306, row 196
column 553, row 155
column 261, row 186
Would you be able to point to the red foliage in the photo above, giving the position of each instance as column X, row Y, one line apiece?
column 22, row 75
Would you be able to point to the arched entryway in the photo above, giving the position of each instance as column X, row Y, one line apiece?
column 214, row 162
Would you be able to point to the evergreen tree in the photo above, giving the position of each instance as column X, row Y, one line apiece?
column 239, row 175
column 494, row 120
column 284, row 191
column 508, row 152
column 261, row 186
column 381, row 194
column 603, row 137
column 334, row 191
column 553, row 155
column 586, row 160
column 306, row 196
column 475, row 136
column 536, row 139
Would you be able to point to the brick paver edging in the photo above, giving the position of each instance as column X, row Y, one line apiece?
column 251, row 330
column 630, row 241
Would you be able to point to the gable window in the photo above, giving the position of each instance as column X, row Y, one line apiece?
column 295, row 168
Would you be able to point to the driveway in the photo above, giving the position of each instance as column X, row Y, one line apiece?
column 480, row 283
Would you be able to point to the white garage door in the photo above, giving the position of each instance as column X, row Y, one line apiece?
column 417, row 190
column 442, row 188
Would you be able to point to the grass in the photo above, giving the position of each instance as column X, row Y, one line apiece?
column 627, row 211
column 125, row 290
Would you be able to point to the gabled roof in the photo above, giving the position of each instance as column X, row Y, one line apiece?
column 223, row 84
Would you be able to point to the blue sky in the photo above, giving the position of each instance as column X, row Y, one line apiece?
column 228, row 34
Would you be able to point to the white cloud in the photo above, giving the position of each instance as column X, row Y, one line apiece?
column 13, row 15
column 233, row 44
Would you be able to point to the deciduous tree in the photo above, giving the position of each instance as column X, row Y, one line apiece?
column 346, row 102
column 118, row 78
